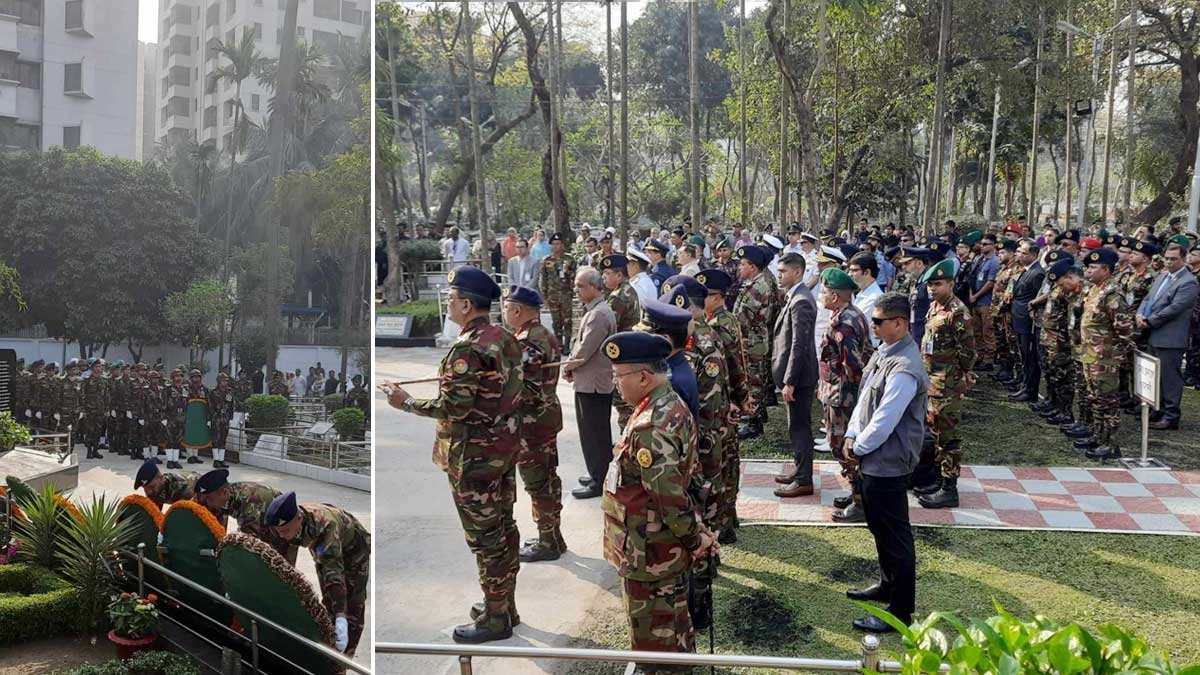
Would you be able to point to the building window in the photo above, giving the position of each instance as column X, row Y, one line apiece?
column 300, row 31
column 258, row 31
column 231, row 37
column 212, row 15
column 74, row 15
column 29, row 75
column 255, row 101
column 8, row 67
column 230, row 7
column 210, row 116
column 327, row 9
column 73, row 78
column 326, row 42
column 180, row 75
column 350, row 13
column 228, row 110
column 28, row 11
column 20, row 136
column 71, row 137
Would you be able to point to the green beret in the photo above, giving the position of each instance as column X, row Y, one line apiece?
column 1182, row 240
column 971, row 238
column 697, row 240
column 943, row 270
column 838, row 280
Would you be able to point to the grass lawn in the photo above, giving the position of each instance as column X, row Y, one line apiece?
column 998, row 431
column 782, row 589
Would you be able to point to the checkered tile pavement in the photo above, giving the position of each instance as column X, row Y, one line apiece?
column 1100, row 499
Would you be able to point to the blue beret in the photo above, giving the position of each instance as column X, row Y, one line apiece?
column 147, row 472
column 1101, row 256
column 1069, row 235
column 676, row 297
column 657, row 246
column 715, row 279
column 616, row 261
column 1147, row 248
column 212, row 481
column 1055, row 256
column 475, row 281
column 659, row 315
column 523, row 295
column 1059, row 268
column 282, row 509
column 1112, row 239
column 849, row 250
column 755, row 255
column 937, row 249
column 694, row 289
column 636, row 347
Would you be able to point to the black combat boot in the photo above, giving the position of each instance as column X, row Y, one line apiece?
column 748, row 429
column 490, row 626
column 947, row 497
column 701, row 607
column 1086, row 443
column 1108, row 450
column 545, row 547
column 928, row 488
column 514, row 619
column 728, row 536
column 1080, row 430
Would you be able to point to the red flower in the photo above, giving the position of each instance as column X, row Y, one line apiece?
column 126, row 596
column 152, row 598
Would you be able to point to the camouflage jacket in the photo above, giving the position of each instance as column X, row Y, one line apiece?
column 845, row 350
column 1056, row 318
column 1136, row 285
column 248, row 504
column 625, row 305
column 176, row 486
column 1106, row 326
column 339, row 546
column 948, row 348
column 650, row 525
column 479, row 394
column 44, row 396
column 176, row 401
column 220, row 406
column 704, row 354
column 97, row 395
column 70, row 397
column 23, row 391
column 556, row 278
column 242, row 388
column 729, row 335
column 278, row 388
column 121, row 395
column 154, row 404
column 359, row 398
column 755, row 311
column 541, row 413
column 1074, row 316
column 1002, row 295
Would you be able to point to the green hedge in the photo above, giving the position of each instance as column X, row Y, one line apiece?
column 142, row 663
column 426, row 320
column 334, row 401
column 34, row 604
column 349, row 423
column 267, row 411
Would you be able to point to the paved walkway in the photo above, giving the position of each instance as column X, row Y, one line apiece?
column 1100, row 499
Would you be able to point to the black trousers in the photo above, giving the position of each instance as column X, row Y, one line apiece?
column 1031, row 371
column 885, row 503
column 593, row 414
column 799, row 418
column 1171, row 384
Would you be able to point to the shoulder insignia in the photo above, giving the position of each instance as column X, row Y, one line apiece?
column 644, row 458
column 459, row 366
column 711, row 369
column 612, row 350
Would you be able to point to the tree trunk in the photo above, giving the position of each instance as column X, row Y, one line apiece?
column 1189, row 115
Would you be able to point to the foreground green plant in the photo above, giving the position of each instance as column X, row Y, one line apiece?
column 12, row 433
column 41, row 531
column 87, row 556
column 34, row 603
column 142, row 663
column 1006, row 645
column 133, row 617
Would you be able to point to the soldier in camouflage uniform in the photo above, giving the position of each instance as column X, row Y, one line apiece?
column 727, row 263
column 1056, row 341
column 246, row 502
column 1106, row 334
column 1006, row 340
column 754, row 310
column 23, row 393
column 1135, row 282
column 39, row 397
column 220, row 411
column 557, row 279
column 118, row 406
column 358, row 397
column 243, row 388
column 626, row 307
column 477, row 413
column 844, row 352
column 341, row 549
column 948, row 350
column 278, row 387
column 69, row 409
column 175, row 400
column 157, row 427
column 646, row 485
column 541, row 420
column 729, row 338
column 164, row 488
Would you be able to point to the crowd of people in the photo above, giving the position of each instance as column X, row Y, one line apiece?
column 701, row 334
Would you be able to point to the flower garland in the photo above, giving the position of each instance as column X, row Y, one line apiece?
column 17, row 513
column 290, row 575
column 66, row 504
column 146, row 505
column 200, row 512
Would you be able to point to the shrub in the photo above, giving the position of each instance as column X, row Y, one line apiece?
column 132, row 616
column 41, row 532
column 267, row 411
column 142, row 663
column 334, row 401
column 1006, row 644
column 349, row 423
column 12, row 434
column 426, row 321
column 86, row 556
column 34, row 604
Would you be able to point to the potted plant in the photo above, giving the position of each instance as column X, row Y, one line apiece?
column 12, row 433
column 133, row 619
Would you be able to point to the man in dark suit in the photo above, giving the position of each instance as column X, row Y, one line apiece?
column 1025, row 289
column 794, row 369
column 1165, row 312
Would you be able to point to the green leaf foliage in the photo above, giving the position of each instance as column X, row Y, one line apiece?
column 349, row 423
column 267, row 411
column 34, row 603
column 86, row 555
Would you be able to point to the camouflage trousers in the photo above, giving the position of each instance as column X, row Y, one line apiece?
column 1006, row 342
column 1060, row 376
column 175, row 429
column 731, row 476
column 837, row 418
column 942, row 419
column 1104, row 398
column 537, row 463
column 91, row 428
column 561, row 316
column 658, row 619
column 624, row 411
column 358, row 576
column 1081, row 391
column 118, row 432
column 485, row 508
column 985, row 336
column 219, row 433
column 758, row 378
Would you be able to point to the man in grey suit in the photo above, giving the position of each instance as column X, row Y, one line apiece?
column 1165, row 312
column 794, row 369
column 1025, row 289
column 523, row 268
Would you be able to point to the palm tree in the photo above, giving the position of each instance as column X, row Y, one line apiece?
column 308, row 91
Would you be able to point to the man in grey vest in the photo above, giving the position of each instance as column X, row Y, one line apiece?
column 885, row 434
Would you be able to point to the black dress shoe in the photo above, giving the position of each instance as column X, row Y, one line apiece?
column 586, row 492
column 843, row 501
column 851, row 514
column 872, row 624
column 1041, row 406
column 586, row 481
column 728, row 536
column 1165, row 424
column 1021, row 397
column 1081, row 431
column 1052, row 411
column 872, row 592
column 928, row 488
column 1085, row 443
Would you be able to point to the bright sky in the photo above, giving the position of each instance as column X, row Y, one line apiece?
column 148, row 20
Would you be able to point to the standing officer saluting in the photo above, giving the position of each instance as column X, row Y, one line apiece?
column 652, row 534
column 478, row 442
column 341, row 549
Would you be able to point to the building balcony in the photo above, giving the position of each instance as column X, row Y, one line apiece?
column 8, row 98
column 177, row 121
column 8, row 33
column 177, row 91
column 180, row 59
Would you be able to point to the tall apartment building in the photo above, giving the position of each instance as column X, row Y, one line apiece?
column 68, row 74
column 147, row 100
column 193, row 106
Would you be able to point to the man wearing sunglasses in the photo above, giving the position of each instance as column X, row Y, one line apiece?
column 884, row 438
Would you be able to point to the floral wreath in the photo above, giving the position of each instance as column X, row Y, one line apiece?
column 200, row 512
column 17, row 513
column 146, row 505
column 70, row 508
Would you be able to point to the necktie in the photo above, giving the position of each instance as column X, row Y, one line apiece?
column 1157, row 293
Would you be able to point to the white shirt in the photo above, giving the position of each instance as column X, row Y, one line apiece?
column 299, row 386
column 691, row 269
column 644, row 285
column 865, row 302
column 459, row 250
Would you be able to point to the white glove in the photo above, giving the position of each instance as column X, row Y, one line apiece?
column 164, row 423
column 208, row 423
column 342, row 628
column 128, row 414
column 29, row 413
column 57, row 417
column 142, row 422
column 39, row 414
column 81, row 414
column 112, row 413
